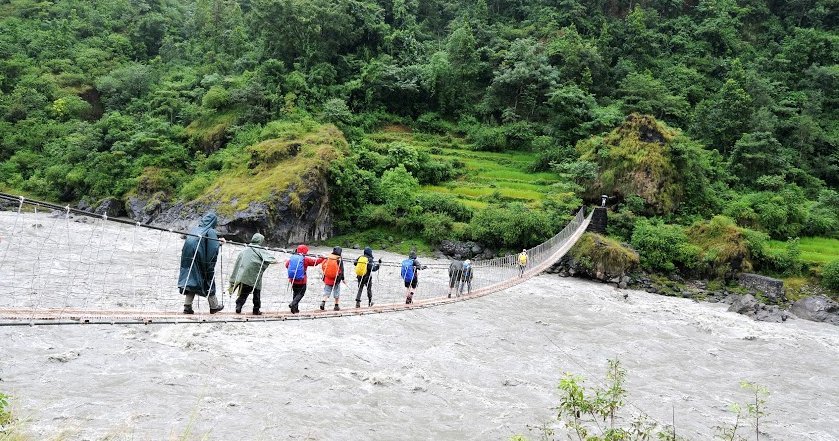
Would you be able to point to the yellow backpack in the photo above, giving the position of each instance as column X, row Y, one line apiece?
column 361, row 266
column 523, row 259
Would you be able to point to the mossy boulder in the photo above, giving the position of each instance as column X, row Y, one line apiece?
column 724, row 248
column 281, row 191
column 636, row 158
column 601, row 258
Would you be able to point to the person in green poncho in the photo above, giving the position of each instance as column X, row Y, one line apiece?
column 251, row 264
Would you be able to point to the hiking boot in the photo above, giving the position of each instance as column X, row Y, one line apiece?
column 238, row 309
column 322, row 306
column 370, row 304
column 450, row 296
column 257, row 313
column 337, row 308
column 188, row 310
column 213, row 311
column 358, row 303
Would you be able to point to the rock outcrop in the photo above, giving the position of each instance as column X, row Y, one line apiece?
column 750, row 307
column 817, row 309
column 464, row 250
column 600, row 258
column 277, row 219
column 282, row 192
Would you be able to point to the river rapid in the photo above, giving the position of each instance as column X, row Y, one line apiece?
column 477, row 370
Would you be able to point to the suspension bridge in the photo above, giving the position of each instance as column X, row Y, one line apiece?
column 60, row 265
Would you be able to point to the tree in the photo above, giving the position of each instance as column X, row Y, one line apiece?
column 643, row 93
column 758, row 154
column 398, row 189
column 522, row 81
column 722, row 119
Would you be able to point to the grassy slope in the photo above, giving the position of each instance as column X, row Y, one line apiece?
column 488, row 174
column 814, row 250
column 298, row 159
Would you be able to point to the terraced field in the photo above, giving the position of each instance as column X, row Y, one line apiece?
column 489, row 176
column 814, row 250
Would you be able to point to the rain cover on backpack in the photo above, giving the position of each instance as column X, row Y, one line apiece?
column 361, row 266
column 407, row 271
column 296, row 267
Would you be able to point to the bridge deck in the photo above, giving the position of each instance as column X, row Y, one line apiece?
column 39, row 283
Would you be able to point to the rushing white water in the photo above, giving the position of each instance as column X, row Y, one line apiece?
column 483, row 369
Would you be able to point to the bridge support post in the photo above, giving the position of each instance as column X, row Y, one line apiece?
column 599, row 221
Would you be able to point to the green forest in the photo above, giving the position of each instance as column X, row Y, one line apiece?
column 714, row 124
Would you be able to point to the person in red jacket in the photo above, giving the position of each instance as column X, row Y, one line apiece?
column 297, row 264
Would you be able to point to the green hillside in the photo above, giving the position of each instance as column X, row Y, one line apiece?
column 432, row 120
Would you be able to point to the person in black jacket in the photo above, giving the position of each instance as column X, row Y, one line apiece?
column 364, row 268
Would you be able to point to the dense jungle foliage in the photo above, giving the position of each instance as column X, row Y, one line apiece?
column 683, row 110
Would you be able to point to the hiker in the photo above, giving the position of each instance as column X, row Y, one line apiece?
column 460, row 274
column 467, row 278
column 522, row 262
column 297, row 264
column 410, row 275
column 198, row 264
column 364, row 268
column 455, row 275
column 333, row 275
column 251, row 264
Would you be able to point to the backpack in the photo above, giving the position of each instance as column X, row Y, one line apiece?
column 296, row 267
column 361, row 266
column 330, row 269
column 467, row 272
column 407, row 271
column 522, row 259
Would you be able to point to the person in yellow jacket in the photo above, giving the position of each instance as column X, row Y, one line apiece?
column 522, row 262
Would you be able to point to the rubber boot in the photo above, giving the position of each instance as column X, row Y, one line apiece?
column 322, row 306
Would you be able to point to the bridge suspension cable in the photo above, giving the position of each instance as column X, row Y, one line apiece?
column 61, row 265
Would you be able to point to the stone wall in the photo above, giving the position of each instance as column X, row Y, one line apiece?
column 599, row 220
column 772, row 289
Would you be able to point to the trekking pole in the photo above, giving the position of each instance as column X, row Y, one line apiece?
column 221, row 268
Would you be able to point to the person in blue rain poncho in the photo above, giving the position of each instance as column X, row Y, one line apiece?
column 198, row 264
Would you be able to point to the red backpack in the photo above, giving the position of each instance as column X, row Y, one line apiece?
column 331, row 268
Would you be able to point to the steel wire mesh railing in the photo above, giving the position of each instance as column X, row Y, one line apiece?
column 58, row 264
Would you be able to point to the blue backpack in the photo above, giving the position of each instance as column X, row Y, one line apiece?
column 296, row 267
column 407, row 270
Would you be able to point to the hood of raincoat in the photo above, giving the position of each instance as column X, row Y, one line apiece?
column 302, row 249
column 251, row 264
column 209, row 220
column 368, row 252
